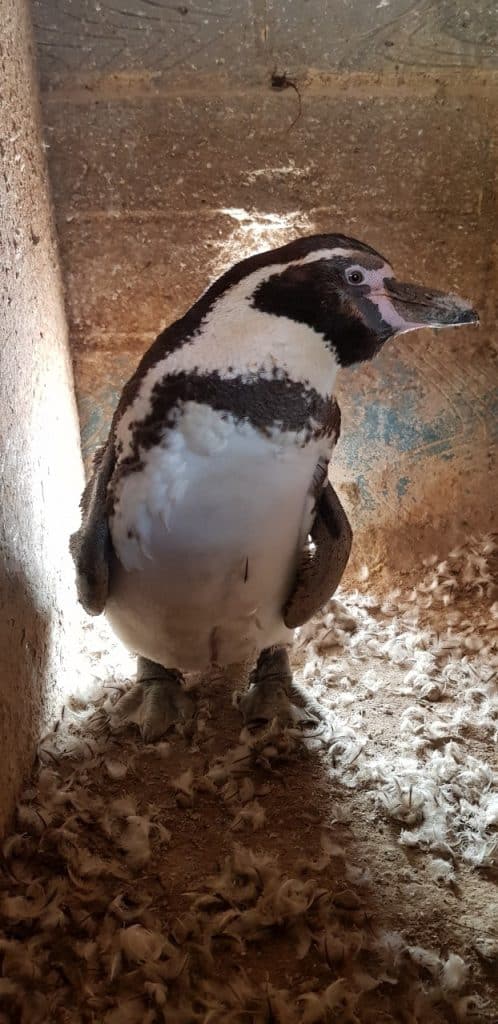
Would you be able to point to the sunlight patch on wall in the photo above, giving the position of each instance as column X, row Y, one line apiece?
column 251, row 232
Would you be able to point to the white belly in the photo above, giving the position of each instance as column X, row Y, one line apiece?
column 217, row 518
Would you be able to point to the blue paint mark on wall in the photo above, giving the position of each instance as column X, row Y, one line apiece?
column 492, row 414
column 367, row 499
column 375, row 426
column 95, row 413
column 401, row 486
column 399, row 428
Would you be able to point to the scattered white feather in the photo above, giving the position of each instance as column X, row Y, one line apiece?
column 441, row 870
column 139, row 944
column 115, row 769
column 252, row 814
column 454, row 973
column 184, row 783
column 134, row 839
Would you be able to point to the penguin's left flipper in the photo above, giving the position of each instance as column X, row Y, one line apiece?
column 91, row 545
column 321, row 569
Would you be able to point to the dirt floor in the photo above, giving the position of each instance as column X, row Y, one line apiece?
column 343, row 870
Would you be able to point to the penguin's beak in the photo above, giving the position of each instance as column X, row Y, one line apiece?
column 422, row 307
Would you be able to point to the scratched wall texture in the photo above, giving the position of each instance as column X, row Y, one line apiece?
column 171, row 156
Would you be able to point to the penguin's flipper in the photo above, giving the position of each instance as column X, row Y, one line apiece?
column 321, row 570
column 91, row 545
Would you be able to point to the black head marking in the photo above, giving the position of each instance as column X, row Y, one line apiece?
column 317, row 294
column 184, row 330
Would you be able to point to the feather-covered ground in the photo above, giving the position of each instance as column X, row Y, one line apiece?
column 341, row 871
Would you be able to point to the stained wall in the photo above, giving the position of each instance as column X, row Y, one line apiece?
column 40, row 459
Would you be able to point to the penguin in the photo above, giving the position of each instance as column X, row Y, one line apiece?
column 210, row 529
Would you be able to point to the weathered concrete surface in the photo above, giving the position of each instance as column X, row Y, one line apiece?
column 176, row 155
column 40, row 463
column 244, row 35
column 172, row 156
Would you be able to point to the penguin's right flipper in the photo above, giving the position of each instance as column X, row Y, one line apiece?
column 91, row 545
column 320, row 572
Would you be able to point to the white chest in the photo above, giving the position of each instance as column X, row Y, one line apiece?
column 207, row 534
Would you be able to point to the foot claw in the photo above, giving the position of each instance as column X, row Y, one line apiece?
column 164, row 708
column 260, row 705
column 155, row 707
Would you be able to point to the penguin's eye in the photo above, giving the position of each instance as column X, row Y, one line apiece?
column 355, row 277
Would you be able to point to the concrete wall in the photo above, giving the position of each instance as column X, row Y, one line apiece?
column 40, row 461
column 171, row 155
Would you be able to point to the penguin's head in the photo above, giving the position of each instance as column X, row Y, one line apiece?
column 348, row 293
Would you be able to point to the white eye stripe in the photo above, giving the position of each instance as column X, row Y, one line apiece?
column 373, row 278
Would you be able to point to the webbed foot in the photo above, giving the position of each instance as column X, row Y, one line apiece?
column 268, row 695
column 155, row 703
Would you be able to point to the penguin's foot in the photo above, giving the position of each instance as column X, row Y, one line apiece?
column 268, row 695
column 156, row 703
column 260, row 705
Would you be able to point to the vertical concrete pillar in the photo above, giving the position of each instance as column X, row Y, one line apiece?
column 40, row 467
